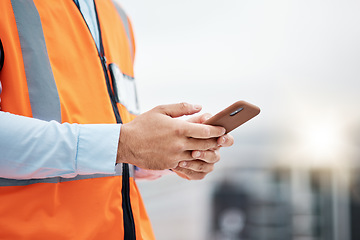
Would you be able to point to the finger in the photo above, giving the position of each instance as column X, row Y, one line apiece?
column 200, row 119
column 189, row 174
column 201, row 144
column 215, row 148
column 207, row 156
column 225, row 141
column 197, row 166
column 185, row 156
column 203, row 131
column 178, row 109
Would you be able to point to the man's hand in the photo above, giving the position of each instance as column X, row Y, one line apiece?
column 158, row 140
column 205, row 159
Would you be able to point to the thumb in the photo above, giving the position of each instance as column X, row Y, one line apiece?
column 178, row 109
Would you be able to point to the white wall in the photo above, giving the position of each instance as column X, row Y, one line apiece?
column 298, row 60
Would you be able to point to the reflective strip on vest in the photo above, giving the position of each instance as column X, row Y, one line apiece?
column 43, row 94
column 126, row 26
column 5, row 182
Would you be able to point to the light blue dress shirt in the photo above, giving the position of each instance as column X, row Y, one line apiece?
column 32, row 148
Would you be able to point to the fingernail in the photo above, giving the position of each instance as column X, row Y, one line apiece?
column 222, row 140
column 196, row 154
column 183, row 164
column 223, row 131
column 197, row 107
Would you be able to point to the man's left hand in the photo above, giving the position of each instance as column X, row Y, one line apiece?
column 205, row 160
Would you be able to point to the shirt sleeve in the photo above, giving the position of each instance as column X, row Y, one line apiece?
column 32, row 148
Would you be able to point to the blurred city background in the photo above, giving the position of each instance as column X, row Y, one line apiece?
column 293, row 172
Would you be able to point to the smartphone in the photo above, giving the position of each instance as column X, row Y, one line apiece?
column 234, row 115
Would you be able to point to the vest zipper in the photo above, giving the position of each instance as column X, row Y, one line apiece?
column 129, row 225
column 110, row 91
column 128, row 218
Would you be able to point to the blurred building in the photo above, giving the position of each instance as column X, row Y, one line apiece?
column 253, row 196
column 284, row 204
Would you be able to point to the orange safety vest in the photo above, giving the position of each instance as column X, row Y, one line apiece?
column 53, row 71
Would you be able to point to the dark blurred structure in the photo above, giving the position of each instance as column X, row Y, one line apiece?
column 355, row 205
column 287, row 204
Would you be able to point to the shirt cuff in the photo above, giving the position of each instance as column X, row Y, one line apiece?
column 145, row 174
column 97, row 148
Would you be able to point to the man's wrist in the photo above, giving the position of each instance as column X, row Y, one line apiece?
column 121, row 156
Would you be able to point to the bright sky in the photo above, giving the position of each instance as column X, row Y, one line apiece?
column 292, row 58
column 299, row 61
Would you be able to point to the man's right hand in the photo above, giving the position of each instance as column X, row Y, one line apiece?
column 158, row 140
